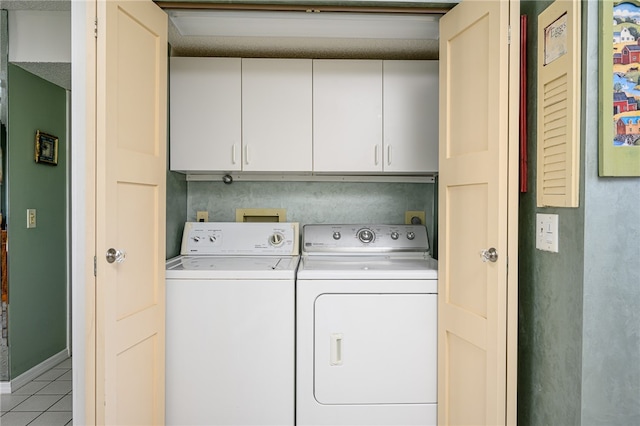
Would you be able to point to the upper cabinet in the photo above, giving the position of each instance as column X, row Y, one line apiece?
column 204, row 104
column 276, row 115
column 410, row 116
column 347, row 116
column 375, row 116
column 302, row 116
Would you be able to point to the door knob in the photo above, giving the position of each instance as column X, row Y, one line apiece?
column 114, row 255
column 490, row 255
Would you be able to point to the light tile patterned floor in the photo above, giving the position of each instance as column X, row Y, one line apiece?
column 45, row 401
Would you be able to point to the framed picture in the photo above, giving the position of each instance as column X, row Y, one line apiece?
column 46, row 148
column 619, row 139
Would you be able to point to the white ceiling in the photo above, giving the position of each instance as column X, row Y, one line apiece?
column 57, row 73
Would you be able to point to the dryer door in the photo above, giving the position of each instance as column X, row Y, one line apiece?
column 375, row 348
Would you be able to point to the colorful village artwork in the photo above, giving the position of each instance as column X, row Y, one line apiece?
column 626, row 74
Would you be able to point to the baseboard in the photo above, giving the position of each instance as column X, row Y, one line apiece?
column 29, row 375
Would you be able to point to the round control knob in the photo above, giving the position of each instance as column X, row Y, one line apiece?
column 196, row 239
column 276, row 240
column 394, row 235
column 336, row 235
column 212, row 238
column 366, row 235
column 411, row 235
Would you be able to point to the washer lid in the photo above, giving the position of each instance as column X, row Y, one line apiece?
column 232, row 267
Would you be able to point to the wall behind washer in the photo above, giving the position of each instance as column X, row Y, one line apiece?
column 315, row 202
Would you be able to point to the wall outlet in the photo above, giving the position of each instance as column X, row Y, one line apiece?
column 202, row 216
column 31, row 218
column 410, row 214
column 547, row 232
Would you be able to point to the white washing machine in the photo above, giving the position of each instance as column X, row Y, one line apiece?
column 366, row 332
column 230, row 325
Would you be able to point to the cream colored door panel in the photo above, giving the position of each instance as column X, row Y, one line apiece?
column 347, row 116
column 276, row 115
column 410, row 114
column 205, row 114
column 131, row 102
column 477, row 340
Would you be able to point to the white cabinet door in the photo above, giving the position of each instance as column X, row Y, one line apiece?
column 347, row 116
column 276, row 115
column 205, row 114
column 410, row 90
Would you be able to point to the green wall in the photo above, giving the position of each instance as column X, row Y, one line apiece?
column 579, row 313
column 37, row 257
column 550, row 311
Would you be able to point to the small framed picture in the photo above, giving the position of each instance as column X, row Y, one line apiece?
column 46, row 148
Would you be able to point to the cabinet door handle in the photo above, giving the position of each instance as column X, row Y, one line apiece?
column 246, row 154
column 376, row 155
column 389, row 155
column 233, row 154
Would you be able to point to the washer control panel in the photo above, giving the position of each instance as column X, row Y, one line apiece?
column 364, row 238
column 234, row 238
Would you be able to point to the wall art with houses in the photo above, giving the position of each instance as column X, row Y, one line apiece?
column 626, row 74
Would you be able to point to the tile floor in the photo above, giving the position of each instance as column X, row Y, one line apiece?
column 45, row 401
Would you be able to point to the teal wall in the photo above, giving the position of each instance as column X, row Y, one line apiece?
column 611, row 291
column 176, row 211
column 315, row 202
column 37, row 257
column 550, row 311
column 579, row 313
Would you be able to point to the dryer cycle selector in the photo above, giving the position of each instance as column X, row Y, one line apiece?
column 366, row 235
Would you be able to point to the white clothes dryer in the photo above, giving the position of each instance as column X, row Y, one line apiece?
column 230, row 325
column 366, row 326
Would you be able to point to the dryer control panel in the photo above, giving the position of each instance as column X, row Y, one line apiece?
column 238, row 239
column 363, row 239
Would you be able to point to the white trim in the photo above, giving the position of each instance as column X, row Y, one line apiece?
column 83, row 15
column 68, row 215
column 310, row 177
column 29, row 375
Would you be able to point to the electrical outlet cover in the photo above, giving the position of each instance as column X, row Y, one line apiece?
column 202, row 216
column 410, row 214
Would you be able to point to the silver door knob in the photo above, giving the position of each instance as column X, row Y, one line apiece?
column 114, row 255
column 490, row 255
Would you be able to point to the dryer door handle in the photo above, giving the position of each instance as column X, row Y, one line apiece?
column 336, row 349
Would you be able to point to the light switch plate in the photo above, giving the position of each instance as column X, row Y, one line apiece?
column 547, row 232
column 31, row 218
